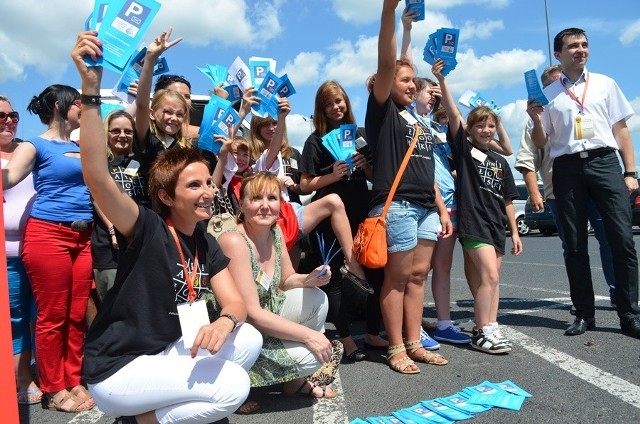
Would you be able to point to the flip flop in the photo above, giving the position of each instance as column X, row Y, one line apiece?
column 31, row 396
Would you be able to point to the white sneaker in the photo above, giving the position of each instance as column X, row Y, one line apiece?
column 488, row 343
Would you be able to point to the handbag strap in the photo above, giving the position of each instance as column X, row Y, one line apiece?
column 403, row 165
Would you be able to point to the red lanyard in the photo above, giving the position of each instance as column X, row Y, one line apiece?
column 584, row 93
column 189, row 278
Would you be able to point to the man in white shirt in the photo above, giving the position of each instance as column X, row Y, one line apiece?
column 585, row 124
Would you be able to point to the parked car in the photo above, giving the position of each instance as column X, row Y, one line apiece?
column 635, row 207
column 519, row 208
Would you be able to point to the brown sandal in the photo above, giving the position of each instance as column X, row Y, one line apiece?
column 52, row 405
column 402, row 365
column 429, row 358
column 83, row 394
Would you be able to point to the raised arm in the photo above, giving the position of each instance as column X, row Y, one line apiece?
column 503, row 144
column 538, row 134
column 408, row 17
column 386, row 52
column 154, row 50
column 116, row 204
column 20, row 165
column 455, row 120
column 276, row 141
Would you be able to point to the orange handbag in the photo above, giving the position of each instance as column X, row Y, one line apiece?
column 370, row 242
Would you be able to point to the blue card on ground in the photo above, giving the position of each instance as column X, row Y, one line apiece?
column 417, row 6
column 446, row 411
column 512, row 387
column 534, row 91
column 461, row 401
column 487, row 393
column 383, row 420
column 421, row 414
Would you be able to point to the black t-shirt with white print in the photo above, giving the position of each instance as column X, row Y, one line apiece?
column 482, row 188
column 139, row 314
column 389, row 135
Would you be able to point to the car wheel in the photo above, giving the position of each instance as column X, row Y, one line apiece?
column 523, row 229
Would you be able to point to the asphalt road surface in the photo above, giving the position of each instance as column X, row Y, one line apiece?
column 593, row 378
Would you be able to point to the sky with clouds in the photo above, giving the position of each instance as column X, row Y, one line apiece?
column 313, row 41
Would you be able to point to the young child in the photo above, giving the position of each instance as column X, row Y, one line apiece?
column 484, row 195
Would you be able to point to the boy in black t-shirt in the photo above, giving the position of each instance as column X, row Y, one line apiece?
column 485, row 192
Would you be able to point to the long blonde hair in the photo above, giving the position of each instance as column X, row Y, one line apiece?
column 180, row 136
column 256, row 143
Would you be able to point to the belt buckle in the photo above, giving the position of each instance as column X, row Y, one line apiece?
column 79, row 225
column 584, row 155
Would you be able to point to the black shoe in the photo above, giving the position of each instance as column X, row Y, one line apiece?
column 359, row 282
column 356, row 356
column 580, row 325
column 631, row 326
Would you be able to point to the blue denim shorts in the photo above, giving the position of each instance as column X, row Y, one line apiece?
column 406, row 223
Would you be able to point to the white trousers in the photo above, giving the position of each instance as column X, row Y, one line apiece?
column 182, row 389
column 306, row 306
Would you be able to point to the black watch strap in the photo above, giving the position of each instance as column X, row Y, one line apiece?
column 235, row 321
column 86, row 99
column 633, row 174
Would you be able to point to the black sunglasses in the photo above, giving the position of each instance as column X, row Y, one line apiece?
column 14, row 116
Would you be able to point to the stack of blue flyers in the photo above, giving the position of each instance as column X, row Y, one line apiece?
column 121, row 27
column 487, row 393
column 216, row 73
column 270, row 91
column 446, row 410
column 460, row 401
column 442, row 44
column 358, row 421
column 472, row 99
column 387, row 419
column 420, row 414
column 259, row 67
column 218, row 114
column 534, row 91
column 131, row 73
column 341, row 143
column 418, row 6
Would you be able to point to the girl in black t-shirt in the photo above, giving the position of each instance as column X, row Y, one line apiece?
column 484, row 193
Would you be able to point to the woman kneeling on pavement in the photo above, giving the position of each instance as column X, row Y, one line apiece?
column 152, row 353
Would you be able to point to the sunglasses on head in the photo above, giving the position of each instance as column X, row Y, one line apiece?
column 14, row 116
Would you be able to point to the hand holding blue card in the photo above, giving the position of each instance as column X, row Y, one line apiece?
column 534, row 91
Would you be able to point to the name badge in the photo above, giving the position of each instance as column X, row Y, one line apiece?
column 132, row 168
column 294, row 163
column 584, row 127
column 263, row 279
column 478, row 155
column 192, row 317
column 441, row 137
column 408, row 117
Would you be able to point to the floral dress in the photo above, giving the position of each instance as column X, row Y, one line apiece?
column 274, row 365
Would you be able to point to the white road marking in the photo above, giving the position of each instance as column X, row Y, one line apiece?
column 331, row 411
column 92, row 416
column 616, row 386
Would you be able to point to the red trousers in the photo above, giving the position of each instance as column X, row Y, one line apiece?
column 58, row 262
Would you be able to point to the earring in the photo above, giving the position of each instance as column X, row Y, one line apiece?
column 241, row 217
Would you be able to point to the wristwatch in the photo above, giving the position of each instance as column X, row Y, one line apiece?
column 633, row 174
column 235, row 321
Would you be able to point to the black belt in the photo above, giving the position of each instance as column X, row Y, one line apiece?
column 77, row 225
column 587, row 154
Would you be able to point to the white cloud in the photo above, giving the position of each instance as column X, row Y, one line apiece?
column 352, row 63
column 480, row 30
column 40, row 36
column 47, row 47
column 630, row 33
column 447, row 4
column 503, row 68
column 358, row 11
column 305, row 68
